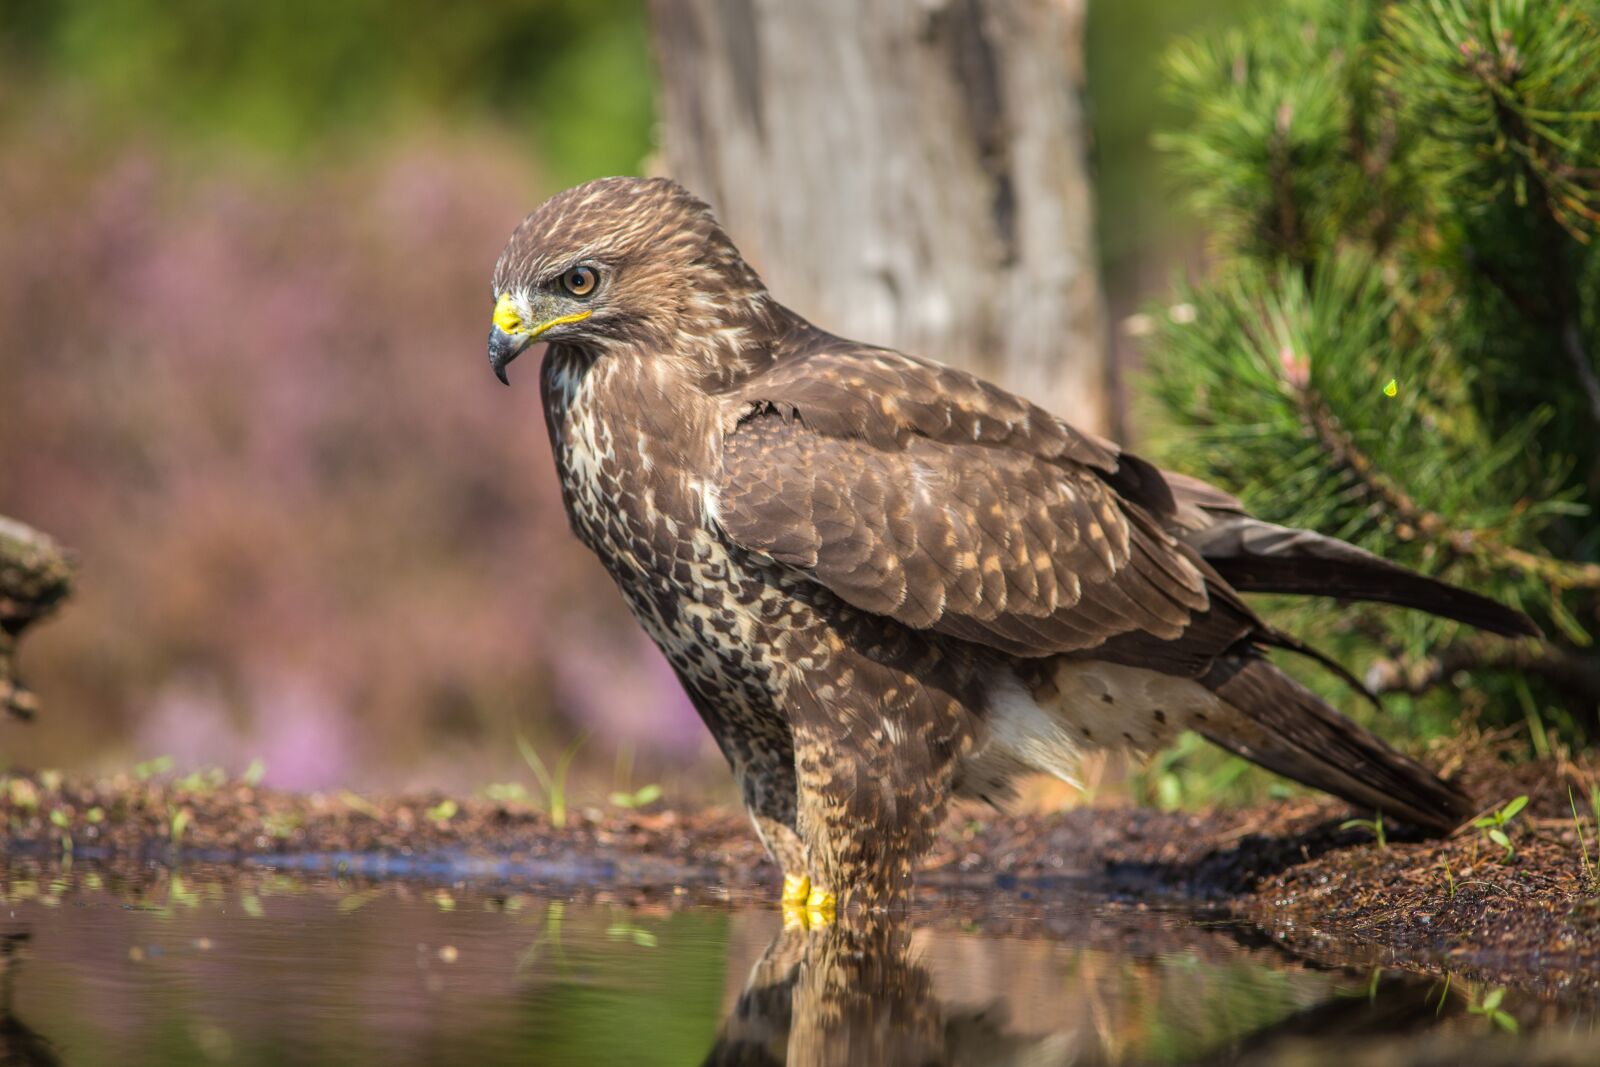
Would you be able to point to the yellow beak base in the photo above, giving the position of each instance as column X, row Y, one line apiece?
column 509, row 320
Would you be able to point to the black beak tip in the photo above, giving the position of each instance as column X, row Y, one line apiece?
column 503, row 348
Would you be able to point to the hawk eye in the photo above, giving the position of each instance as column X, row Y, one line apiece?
column 580, row 281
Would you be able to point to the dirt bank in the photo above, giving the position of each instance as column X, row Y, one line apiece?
column 1528, row 917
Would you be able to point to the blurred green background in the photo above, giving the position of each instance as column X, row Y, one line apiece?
column 243, row 293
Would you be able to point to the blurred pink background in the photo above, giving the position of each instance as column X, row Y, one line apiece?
column 312, row 527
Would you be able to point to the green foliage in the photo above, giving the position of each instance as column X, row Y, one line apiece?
column 639, row 798
column 1489, row 1008
column 443, row 811
column 1509, row 89
column 1262, row 152
column 553, row 786
column 1375, row 826
column 179, row 821
column 201, row 780
column 1192, row 771
column 1494, row 824
column 572, row 79
column 1396, row 341
column 1591, row 875
column 254, row 773
column 151, row 768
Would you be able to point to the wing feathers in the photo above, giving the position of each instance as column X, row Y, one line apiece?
column 922, row 493
column 1029, row 554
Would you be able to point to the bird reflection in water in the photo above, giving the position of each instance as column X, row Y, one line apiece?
column 856, row 993
column 20, row 1044
column 853, row 993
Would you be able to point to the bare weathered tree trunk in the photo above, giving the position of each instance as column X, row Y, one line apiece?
column 905, row 172
column 35, row 576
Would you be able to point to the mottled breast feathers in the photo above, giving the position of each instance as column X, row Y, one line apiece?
column 917, row 492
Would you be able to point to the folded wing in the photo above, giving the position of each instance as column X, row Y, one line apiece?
column 953, row 519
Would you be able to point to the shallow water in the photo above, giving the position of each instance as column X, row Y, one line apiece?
column 212, row 964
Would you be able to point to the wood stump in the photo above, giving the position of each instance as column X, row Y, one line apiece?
column 904, row 172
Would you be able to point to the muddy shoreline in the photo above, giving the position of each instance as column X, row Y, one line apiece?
column 1460, row 906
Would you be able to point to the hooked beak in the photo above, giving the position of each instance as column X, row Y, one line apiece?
column 505, row 347
column 510, row 334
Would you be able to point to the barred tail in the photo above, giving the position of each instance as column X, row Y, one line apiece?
column 1286, row 728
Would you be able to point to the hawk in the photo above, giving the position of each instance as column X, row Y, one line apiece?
column 885, row 582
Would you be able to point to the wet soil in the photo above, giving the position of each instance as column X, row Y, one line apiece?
column 1461, row 906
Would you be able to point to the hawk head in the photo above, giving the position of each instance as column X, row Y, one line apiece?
column 615, row 262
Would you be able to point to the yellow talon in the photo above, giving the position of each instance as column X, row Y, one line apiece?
column 800, row 917
column 821, row 900
column 805, row 908
column 796, row 889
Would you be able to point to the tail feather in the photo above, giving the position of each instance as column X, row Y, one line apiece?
column 1286, row 728
column 1260, row 557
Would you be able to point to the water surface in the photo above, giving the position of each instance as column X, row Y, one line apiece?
column 145, row 965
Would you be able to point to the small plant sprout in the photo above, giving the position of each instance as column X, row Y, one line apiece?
column 638, row 798
column 148, row 769
column 507, row 792
column 443, row 811
column 554, row 785
column 202, row 780
column 1493, row 825
column 254, row 773
column 1591, row 877
column 360, row 804
column 22, row 794
column 181, row 818
column 549, row 936
column 637, row 934
column 1489, row 1008
column 63, row 822
column 280, row 824
column 623, row 795
column 1374, row 825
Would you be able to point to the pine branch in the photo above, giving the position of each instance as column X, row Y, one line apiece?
column 1561, row 296
column 1416, row 520
column 1517, row 86
column 1402, row 674
column 1572, row 342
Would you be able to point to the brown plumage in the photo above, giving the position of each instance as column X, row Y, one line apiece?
column 35, row 577
column 884, row 581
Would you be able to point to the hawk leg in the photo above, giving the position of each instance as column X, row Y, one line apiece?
column 761, row 755
column 869, row 801
column 766, row 780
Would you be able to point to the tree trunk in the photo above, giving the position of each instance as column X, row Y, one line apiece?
column 905, row 172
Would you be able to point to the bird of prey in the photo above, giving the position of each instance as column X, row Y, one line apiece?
column 885, row 582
